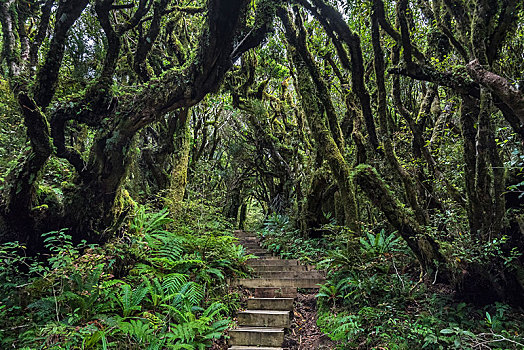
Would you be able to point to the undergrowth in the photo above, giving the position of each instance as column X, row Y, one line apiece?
column 160, row 285
column 280, row 237
column 374, row 297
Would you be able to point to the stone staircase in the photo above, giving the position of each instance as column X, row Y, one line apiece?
column 269, row 312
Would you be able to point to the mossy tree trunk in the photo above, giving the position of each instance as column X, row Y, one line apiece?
column 306, row 78
column 403, row 220
column 234, row 202
column 312, row 214
column 178, row 180
column 477, row 35
column 93, row 205
column 157, row 146
column 243, row 216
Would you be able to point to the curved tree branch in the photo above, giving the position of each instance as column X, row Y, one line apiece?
column 67, row 13
column 462, row 85
column 339, row 25
column 499, row 86
column 506, row 21
column 43, row 26
column 19, row 196
column 146, row 43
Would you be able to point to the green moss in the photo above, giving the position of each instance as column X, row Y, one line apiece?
column 48, row 197
column 124, row 201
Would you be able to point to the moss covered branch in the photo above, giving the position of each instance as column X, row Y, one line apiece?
column 402, row 219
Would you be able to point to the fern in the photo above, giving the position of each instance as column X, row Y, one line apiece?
column 178, row 315
column 130, row 300
column 111, row 283
column 183, row 266
column 206, row 275
column 183, row 347
column 199, row 333
column 348, row 327
column 91, row 340
column 194, row 292
column 173, row 283
column 149, row 223
column 185, row 332
column 166, row 245
column 378, row 244
column 216, row 329
column 138, row 329
column 213, row 310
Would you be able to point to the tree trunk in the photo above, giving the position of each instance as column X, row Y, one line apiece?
column 424, row 247
column 19, row 195
column 94, row 205
column 312, row 216
column 317, row 120
column 178, row 180
column 242, row 217
column 234, row 201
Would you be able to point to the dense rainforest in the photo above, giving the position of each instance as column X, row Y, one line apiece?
column 380, row 140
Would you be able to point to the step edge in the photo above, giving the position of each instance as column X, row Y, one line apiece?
column 262, row 311
column 258, row 329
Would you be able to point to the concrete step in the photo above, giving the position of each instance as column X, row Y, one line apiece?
column 242, row 240
column 248, row 239
column 262, row 255
column 272, row 292
column 270, row 304
column 250, row 261
column 252, row 348
column 257, row 251
column 243, row 234
column 290, row 274
column 264, row 268
column 276, row 261
column 264, row 318
column 252, row 245
column 261, row 336
column 280, row 282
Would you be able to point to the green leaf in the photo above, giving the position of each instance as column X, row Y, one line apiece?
column 447, row 331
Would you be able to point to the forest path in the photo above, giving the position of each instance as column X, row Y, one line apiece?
column 269, row 312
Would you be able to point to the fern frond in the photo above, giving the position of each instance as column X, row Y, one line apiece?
column 213, row 309
column 139, row 294
column 194, row 292
column 173, row 282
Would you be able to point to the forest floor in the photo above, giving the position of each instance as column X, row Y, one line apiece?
column 304, row 333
